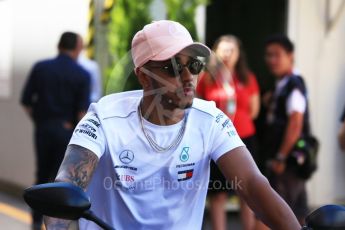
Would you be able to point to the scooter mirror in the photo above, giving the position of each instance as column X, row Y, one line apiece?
column 60, row 199
column 330, row 217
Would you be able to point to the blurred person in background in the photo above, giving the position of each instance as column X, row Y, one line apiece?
column 93, row 69
column 233, row 87
column 341, row 136
column 55, row 96
column 287, row 121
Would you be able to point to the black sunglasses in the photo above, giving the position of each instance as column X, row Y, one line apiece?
column 174, row 68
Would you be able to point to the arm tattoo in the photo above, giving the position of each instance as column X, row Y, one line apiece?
column 77, row 168
column 56, row 224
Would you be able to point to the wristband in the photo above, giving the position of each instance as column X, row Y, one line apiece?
column 280, row 157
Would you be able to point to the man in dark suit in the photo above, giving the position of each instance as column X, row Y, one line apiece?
column 56, row 97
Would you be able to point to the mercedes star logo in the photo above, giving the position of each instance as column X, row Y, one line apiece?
column 126, row 156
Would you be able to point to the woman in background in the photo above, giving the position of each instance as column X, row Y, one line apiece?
column 230, row 84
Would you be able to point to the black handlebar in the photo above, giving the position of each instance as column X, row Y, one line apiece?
column 89, row 215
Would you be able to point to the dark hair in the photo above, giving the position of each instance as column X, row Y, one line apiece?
column 68, row 41
column 241, row 66
column 281, row 40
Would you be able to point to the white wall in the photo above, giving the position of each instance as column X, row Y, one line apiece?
column 320, row 57
column 36, row 28
column 32, row 29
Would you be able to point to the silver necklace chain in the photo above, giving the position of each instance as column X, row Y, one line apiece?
column 151, row 141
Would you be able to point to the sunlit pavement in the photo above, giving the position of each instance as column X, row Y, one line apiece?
column 15, row 215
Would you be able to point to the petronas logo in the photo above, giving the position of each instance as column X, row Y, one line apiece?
column 184, row 156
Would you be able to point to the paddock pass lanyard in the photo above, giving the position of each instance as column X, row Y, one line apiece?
column 231, row 102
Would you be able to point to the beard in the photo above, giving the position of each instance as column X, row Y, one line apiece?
column 172, row 101
column 176, row 99
column 179, row 99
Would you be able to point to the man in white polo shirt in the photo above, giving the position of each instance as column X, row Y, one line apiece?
column 143, row 156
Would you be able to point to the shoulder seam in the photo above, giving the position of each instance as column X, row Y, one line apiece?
column 118, row 116
column 203, row 111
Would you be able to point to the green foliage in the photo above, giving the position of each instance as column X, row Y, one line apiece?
column 126, row 18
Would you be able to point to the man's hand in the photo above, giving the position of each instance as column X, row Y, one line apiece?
column 278, row 167
column 81, row 114
column 28, row 111
column 77, row 168
column 256, row 191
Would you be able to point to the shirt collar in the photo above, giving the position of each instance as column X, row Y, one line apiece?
column 64, row 56
column 281, row 83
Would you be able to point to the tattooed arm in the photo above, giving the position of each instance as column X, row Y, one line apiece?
column 77, row 168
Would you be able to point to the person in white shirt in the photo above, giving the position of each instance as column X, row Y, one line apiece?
column 143, row 156
column 287, row 123
column 92, row 68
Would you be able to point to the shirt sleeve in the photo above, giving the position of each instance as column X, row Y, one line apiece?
column 224, row 137
column 89, row 134
column 253, row 85
column 296, row 102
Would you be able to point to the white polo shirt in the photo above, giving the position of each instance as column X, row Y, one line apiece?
column 133, row 186
column 296, row 102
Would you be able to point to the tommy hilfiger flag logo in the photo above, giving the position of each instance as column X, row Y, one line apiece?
column 184, row 175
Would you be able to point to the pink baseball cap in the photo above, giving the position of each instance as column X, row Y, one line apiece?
column 161, row 40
